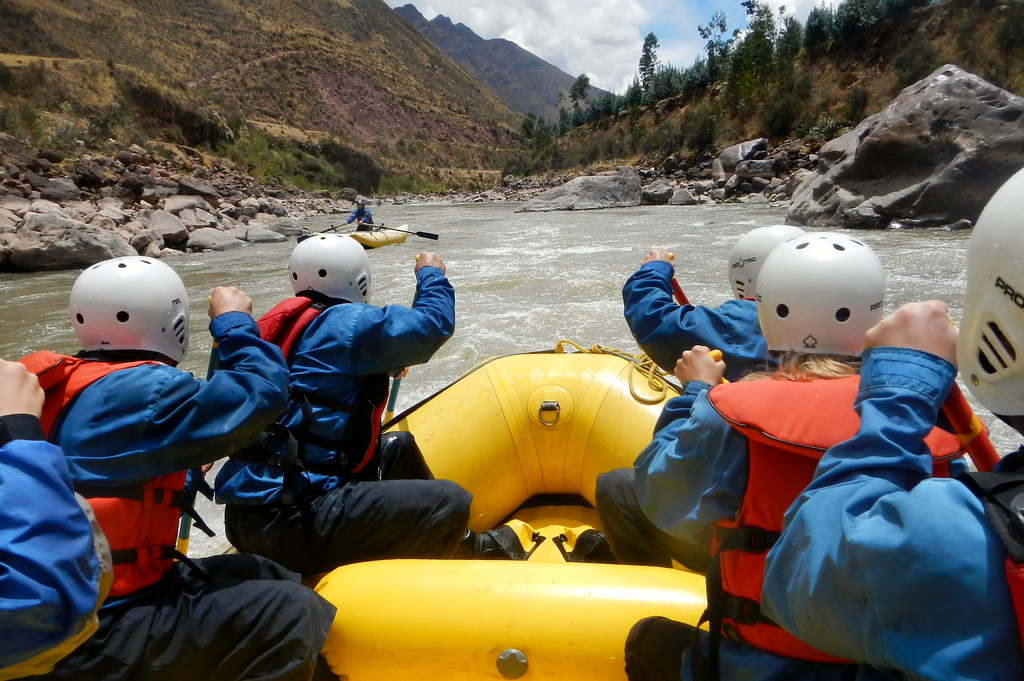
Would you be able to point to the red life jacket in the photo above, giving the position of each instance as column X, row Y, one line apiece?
column 788, row 426
column 140, row 521
column 283, row 325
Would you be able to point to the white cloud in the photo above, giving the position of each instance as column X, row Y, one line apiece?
column 602, row 38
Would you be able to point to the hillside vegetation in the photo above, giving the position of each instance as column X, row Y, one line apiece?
column 344, row 93
column 781, row 79
column 347, row 72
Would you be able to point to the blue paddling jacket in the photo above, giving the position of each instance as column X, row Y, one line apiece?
column 49, row 570
column 883, row 565
column 664, row 329
column 341, row 349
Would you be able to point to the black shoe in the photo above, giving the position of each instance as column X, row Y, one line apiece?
column 655, row 647
column 501, row 543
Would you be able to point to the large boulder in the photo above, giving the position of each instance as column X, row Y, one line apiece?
column 52, row 242
column 934, row 156
column 657, row 193
column 751, row 150
column 619, row 188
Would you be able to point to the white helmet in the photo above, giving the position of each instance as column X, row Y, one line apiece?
column 131, row 303
column 332, row 264
column 749, row 253
column 991, row 343
column 819, row 294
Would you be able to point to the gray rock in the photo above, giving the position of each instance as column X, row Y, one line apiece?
column 61, row 189
column 51, row 242
column 45, row 208
column 16, row 204
column 657, row 193
column 170, row 228
column 196, row 218
column 725, row 164
column 193, row 186
column 765, row 168
column 146, row 238
column 933, row 157
column 255, row 234
column 176, row 204
column 617, row 188
column 285, row 226
column 209, row 239
column 682, row 197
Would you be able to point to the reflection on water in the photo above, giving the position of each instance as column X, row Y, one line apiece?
column 522, row 280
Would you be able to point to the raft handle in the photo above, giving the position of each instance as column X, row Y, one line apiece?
column 549, row 406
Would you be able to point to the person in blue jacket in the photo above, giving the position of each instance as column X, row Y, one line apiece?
column 54, row 562
column 361, row 216
column 698, row 482
column 877, row 561
column 130, row 425
column 664, row 328
column 348, row 494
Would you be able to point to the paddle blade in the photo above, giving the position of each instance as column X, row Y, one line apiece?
column 426, row 235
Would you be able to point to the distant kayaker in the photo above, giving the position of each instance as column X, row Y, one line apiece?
column 130, row 425
column 920, row 578
column 54, row 561
column 361, row 216
column 726, row 461
column 664, row 328
column 325, row 488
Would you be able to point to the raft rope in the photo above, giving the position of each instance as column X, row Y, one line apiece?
column 642, row 364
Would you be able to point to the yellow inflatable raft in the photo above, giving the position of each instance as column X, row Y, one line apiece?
column 527, row 435
column 380, row 237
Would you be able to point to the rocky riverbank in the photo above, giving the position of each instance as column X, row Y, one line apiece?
column 66, row 211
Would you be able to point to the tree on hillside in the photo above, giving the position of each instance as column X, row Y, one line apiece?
column 580, row 90
column 648, row 61
column 717, row 45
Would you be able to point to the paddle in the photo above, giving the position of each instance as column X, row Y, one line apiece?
column 971, row 431
column 425, row 235
column 677, row 290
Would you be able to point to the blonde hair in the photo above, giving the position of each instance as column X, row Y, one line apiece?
column 802, row 366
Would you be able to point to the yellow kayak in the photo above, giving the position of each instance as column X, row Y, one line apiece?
column 527, row 435
column 380, row 237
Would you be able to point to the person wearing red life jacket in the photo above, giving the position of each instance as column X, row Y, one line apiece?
column 726, row 461
column 131, row 425
column 920, row 578
column 324, row 488
column 55, row 566
column 664, row 327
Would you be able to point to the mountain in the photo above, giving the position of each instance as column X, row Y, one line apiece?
column 522, row 80
column 351, row 71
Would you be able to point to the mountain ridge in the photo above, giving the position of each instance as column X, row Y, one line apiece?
column 522, row 80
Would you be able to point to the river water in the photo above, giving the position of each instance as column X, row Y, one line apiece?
column 523, row 281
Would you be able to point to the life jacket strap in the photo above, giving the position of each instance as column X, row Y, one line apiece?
column 750, row 539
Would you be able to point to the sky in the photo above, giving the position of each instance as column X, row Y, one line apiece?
column 601, row 38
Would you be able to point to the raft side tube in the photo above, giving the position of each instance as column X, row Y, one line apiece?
column 566, row 620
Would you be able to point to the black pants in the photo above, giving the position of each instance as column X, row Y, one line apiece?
column 395, row 517
column 634, row 539
column 245, row 618
column 655, row 648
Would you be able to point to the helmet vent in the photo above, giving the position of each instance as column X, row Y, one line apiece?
column 782, row 311
column 80, row 318
column 179, row 330
column 999, row 350
column 740, row 288
column 322, row 273
column 842, row 314
column 838, row 247
column 122, row 316
column 363, row 284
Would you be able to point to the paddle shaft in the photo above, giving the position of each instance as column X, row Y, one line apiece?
column 970, row 430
